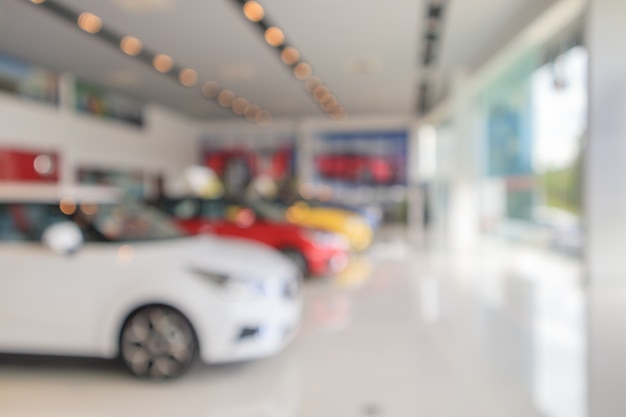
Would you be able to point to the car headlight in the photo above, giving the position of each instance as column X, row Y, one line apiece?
column 233, row 288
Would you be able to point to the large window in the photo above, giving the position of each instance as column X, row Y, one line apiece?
column 535, row 123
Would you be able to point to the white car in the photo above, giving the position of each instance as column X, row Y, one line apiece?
column 84, row 275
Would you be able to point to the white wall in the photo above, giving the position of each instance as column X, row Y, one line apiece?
column 166, row 144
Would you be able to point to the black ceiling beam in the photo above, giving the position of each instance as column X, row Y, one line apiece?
column 433, row 16
column 263, row 24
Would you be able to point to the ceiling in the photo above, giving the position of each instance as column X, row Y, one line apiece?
column 366, row 51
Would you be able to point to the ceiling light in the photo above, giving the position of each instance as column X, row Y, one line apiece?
column 320, row 91
column 330, row 105
column 188, row 77
column 89, row 22
column 263, row 118
column 302, row 71
column 162, row 63
column 312, row 83
column 37, row 1
column 338, row 114
column 290, row 55
column 131, row 45
column 274, row 36
column 67, row 206
column 210, row 89
column 253, row 11
column 326, row 99
column 240, row 105
column 251, row 112
column 225, row 98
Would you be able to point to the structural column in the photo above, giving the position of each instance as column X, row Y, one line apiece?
column 464, row 218
column 605, row 208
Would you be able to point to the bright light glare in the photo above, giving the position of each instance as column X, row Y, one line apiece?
column 43, row 165
column 188, row 77
column 125, row 253
column 253, row 11
column 274, row 36
column 163, row 63
column 89, row 22
column 131, row 45
column 67, row 206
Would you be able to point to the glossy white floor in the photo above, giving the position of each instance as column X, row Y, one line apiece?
column 405, row 332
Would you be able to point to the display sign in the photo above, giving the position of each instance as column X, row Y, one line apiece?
column 19, row 165
column 238, row 161
column 29, row 81
column 108, row 104
column 361, row 158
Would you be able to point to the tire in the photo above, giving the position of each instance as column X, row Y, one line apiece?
column 157, row 342
column 297, row 258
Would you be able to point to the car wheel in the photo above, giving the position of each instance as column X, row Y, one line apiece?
column 157, row 342
column 297, row 258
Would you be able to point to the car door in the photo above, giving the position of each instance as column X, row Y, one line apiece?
column 46, row 298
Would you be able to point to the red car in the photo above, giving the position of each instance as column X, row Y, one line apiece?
column 316, row 252
column 364, row 169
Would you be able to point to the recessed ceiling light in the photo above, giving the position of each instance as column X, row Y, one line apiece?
column 320, row 91
column 131, row 45
column 263, row 118
column 290, row 55
column 162, row 63
column 251, row 112
column 326, row 99
column 225, row 98
column 188, row 77
column 302, row 71
column 210, row 89
column 330, row 105
column 240, row 105
column 312, row 83
column 338, row 114
column 89, row 22
column 274, row 36
column 253, row 11
column 37, row 1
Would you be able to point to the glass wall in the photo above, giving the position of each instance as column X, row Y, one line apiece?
column 534, row 123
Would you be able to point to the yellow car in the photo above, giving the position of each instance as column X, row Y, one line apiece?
column 346, row 223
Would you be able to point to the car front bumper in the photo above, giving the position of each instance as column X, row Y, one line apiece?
column 253, row 330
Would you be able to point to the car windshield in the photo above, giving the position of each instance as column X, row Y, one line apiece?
column 130, row 222
column 268, row 210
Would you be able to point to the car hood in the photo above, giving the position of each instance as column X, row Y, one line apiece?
column 226, row 256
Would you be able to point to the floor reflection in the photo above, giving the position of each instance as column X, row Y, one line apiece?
column 403, row 332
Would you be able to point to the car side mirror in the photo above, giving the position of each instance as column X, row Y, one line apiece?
column 63, row 238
